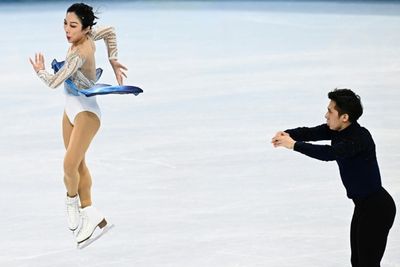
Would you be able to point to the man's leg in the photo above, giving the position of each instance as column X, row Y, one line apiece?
column 354, row 238
column 376, row 220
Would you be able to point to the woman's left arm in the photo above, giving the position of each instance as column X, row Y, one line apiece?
column 110, row 39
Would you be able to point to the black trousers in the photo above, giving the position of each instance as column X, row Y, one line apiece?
column 372, row 219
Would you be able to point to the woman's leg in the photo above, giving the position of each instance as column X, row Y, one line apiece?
column 67, row 128
column 85, row 185
column 77, row 139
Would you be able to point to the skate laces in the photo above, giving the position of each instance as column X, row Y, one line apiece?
column 90, row 219
column 72, row 207
column 72, row 210
column 86, row 228
column 82, row 226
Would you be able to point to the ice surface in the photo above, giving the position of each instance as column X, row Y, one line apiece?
column 186, row 171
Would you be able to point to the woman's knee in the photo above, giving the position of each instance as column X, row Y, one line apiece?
column 82, row 168
column 71, row 167
column 84, row 174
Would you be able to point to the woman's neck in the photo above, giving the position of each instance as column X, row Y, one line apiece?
column 78, row 43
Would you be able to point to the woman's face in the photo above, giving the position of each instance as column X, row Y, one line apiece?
column 73, row 28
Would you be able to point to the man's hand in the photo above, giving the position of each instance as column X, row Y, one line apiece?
column 283, row 139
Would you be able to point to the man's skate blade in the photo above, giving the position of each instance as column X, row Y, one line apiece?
column 93, row 238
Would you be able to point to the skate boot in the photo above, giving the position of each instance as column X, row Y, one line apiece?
column 72, row 204
column 92, row 219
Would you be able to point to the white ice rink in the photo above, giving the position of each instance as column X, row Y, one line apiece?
column 186, row 171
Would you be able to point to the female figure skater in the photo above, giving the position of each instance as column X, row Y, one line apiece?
column 81, row 119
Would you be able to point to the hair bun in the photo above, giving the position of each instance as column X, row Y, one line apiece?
column 84, row 13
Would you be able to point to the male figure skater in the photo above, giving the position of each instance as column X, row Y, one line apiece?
column 353, row 149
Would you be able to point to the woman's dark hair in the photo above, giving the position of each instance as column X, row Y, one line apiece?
column 347, row 102
column 84, row 13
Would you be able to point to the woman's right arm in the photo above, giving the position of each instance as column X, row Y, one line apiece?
column 73, row 62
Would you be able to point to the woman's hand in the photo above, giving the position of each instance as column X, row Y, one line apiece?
column 118, row 70
column 39, row 62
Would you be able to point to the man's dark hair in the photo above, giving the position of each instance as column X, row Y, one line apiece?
column 347, row 102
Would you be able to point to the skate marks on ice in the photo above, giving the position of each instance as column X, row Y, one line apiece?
column 95, row 236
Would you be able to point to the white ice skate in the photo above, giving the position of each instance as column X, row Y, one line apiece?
column 93, row 226
column 72, row 206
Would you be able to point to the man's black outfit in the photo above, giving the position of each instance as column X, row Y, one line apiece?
column 354, row 151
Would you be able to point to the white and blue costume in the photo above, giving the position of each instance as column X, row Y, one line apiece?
column 78, row 87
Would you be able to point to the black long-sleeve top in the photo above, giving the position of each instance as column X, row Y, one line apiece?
column 354, row 151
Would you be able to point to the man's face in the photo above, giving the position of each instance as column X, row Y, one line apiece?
column 333, row 120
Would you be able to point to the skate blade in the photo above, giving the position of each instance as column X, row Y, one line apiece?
column 103, row 231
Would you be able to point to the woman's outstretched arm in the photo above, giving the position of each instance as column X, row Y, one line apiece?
column 73, row 62
column 110, row 39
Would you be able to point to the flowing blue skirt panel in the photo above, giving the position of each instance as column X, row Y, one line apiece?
column 97, row 89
